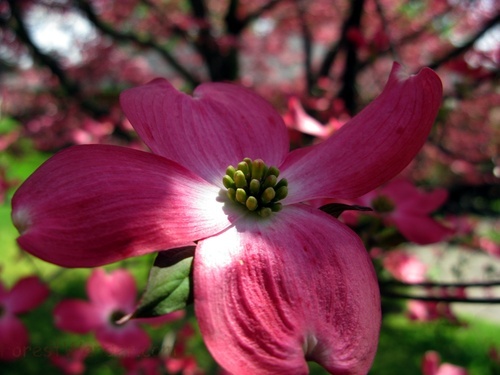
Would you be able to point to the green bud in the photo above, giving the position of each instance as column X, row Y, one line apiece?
column 258, row 169
column 239, row 179
column 265, row 212
column 252, row 203
column 268, row 195
column 281, row 193
column 276, row 207
column 254, row 187
column 230, row 171
column 249, row 163
column 241, row 195
column 273, row 171
column 282, row 182
column 228, row 182
column 243, row 166
column 231, row 193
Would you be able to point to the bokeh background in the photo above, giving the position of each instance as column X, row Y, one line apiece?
column 63, row 64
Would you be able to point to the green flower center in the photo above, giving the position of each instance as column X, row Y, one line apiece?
column 255, row 185
column 383, row 204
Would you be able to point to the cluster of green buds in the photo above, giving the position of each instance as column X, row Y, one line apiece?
column 382, row 204
column 255, row 185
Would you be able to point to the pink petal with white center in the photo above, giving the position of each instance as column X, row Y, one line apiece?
column 271, row 294
column 13, row 338
column 27, row 294
column 126, row 340
column 94, row 204
column 220, row 125
column 372, row 147
column 78, row 316
column 113, row 291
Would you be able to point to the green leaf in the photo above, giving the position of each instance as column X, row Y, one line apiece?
column 335, row 209
column 169, row 285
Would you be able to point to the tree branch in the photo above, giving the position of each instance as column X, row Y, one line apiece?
column 439, row 299
column 307, row 45
column 86, row 8
column 70, row 88
column 467, row 45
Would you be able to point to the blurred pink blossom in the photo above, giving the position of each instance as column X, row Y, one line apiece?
column 404, row 266
column 111, row 297
column 25, row 295
column 73, row 362
column 431, row 365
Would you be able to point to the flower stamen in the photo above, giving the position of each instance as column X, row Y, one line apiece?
column 256, row 186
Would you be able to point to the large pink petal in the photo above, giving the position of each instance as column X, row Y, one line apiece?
column 27, row 294
column 271, row 294
column 220, row 125
column 13, row 338
column 371, row 148
column 127, row 340
column 94, row 204
column 78, row 316
column 112, row 291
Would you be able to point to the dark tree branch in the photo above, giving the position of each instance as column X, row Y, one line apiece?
column 307, row 44
column 256, row 14
column 70, row 88
column 149, row 42
column 483, row 284
column 385, row 23
column 206, row 45
column 440, row 299
column 467, row 45
column 348, row 91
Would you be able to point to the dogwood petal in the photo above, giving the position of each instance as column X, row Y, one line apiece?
column 94, row 204
column 112, row 291
column 421, row 230
column 78, row 316
column 26, row 295
column 13, row 338
column 127, row 340
column 371, row 148
column 409, row 198
column 220, row 125
column 271, row 294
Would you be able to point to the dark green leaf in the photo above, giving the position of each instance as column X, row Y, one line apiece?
column 169, row 285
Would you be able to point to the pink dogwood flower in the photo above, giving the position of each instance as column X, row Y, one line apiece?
column 431, row 365
column 111, row 297
column 402, row 204
column 276, row 282
column 27, row 294
column 71, row 363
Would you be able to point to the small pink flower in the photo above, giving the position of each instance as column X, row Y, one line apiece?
column 402, row 204
column 142, row 366
column 27, row 294
column 431, row 365
column 111, row 297
column 276, row 282
column 404, row 267
column 71, row 363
